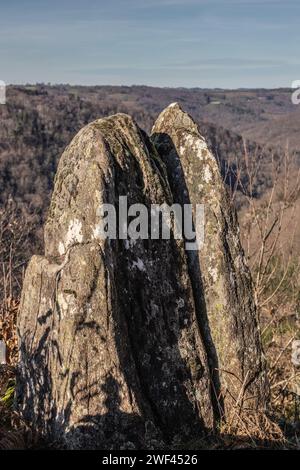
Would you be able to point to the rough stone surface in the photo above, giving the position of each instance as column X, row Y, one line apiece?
column 221, row 280
column 110, row 350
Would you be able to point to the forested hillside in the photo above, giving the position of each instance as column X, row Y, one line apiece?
column 39, row 121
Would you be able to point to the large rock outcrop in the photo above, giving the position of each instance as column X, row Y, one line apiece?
column 221, row 280
column 135, row 343
column 111, row 355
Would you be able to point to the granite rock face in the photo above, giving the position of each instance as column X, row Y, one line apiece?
column 221, row 280
column 111, row 355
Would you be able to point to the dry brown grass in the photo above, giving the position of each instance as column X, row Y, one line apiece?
column 8, row 319
column 253, row 430
column 270, row 235
column 11, row 431
column 14, row 433
column 12, row 243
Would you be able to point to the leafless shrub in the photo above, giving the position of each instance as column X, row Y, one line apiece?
column 269, row 231
column 269, row 227
column 16, row 239
column 17, row 234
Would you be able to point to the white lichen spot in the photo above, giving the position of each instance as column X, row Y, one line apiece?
column 180, row 302
column 139, row 264
column 63, row 305
column 199, row 146
column 61, row 248
column 97, row 232
column 66, row 304
column 207, row 174
column 74, row 234
column 189, row 140
column 213, row 271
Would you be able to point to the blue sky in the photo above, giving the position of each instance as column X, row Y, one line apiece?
column 189, row 43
